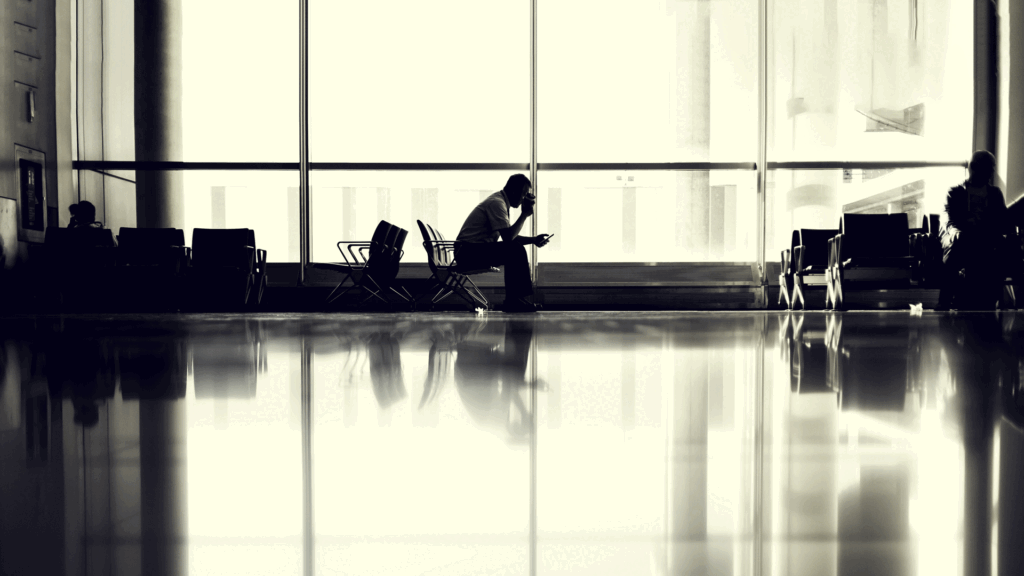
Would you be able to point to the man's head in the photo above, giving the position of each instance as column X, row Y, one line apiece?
column 982, row 166
column 517, row 187
column 84, row 211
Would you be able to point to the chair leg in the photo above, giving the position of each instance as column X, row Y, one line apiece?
column 798, row 296
column 477, row 293
column 837, row 289
column 334, row 295
column 785, row 291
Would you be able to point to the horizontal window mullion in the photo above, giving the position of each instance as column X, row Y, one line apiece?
column 174, row 166
column 862, row 165
column 454, row 166
column 581, row 166
column 443, row 166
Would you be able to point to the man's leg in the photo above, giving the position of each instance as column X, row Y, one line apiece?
column 972, row 274
column 518, row 283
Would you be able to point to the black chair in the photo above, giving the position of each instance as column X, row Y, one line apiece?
column 75, row 268
column 926, row 248
column 871, row 251
column 259, row 272
column 371, row 265
column 804, row 265
column 151, row 264
column 446, row 276
column 224, row 262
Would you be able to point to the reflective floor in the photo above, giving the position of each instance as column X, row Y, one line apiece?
column 731, row 443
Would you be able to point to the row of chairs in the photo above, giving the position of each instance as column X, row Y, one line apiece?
column 152, row 268
column 867, row 251
column 372, row 266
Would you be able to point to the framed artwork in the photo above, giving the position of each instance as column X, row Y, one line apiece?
column 30, row 172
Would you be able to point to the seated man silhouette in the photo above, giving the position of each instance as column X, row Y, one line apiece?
column 489, row 238
column 973, row 243
column 83, row 215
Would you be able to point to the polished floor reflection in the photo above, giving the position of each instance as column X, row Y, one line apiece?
column 736, row 443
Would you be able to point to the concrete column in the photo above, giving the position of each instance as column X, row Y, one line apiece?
column 163, row 477
column 986, row 74
column 1011, row 75
column 159, row 196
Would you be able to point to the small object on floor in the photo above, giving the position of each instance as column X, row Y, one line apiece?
column 480, row 311
column 916, row 309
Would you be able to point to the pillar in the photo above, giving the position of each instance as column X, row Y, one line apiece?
column 159, row 195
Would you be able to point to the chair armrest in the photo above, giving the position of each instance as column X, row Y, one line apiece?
column 798, row 258
column 261, row 260
column 836, row 253
column 787, row 264
column 350, row 246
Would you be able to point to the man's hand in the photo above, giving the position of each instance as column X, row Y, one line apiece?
column 542, row 240
column 528, row 204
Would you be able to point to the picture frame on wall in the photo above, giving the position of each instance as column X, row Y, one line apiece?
column 30, row 186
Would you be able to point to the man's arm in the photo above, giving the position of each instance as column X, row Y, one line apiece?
column 511, row 234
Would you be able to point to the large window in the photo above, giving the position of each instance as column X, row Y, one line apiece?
column 413, row 81
column 657, row 131
column 854, row 84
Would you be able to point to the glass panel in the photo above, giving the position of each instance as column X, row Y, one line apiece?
column 818, row 198
column 645, row 450
column 348, row 205
column 421, row 458
column 244, row 451
column 647, row 81
column 412, row 81
column 868, row 421
column 267, row 202
column 648, row 216
column 240, row 71
column 872, row 80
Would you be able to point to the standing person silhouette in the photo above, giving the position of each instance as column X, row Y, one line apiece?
column 489, row 238
column 973, row 239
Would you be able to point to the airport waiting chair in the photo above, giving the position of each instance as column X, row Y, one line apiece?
column 926, row 248
column 446, row 276
column 223, row 271
column 871, row 251
column 76, row 268
column 804, row 265
column 259, row 272
column 372, row 266
column 151, row 264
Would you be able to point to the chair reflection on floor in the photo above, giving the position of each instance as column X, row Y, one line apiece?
column 871, row 363
column 384, row 354
column 80, row 366
column 152, row 368
column 225, row 364
column 809, row 355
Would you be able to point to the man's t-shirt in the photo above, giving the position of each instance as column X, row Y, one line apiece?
column 486, row 219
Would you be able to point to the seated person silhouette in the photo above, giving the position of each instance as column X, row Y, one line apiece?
column 973, row 243
column 489, row 238
column 83, row 215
